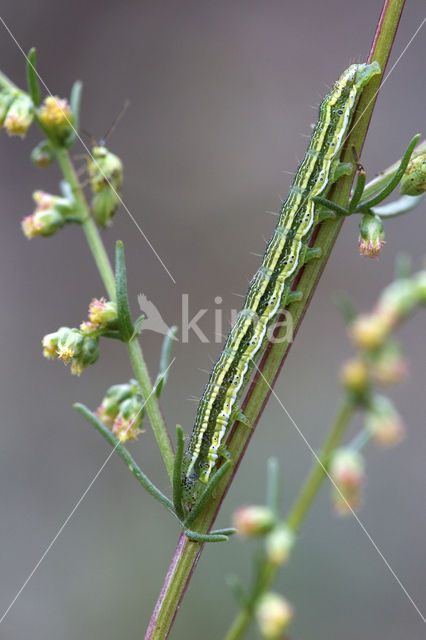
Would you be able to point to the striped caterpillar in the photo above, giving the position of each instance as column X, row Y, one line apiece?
column 270, row 289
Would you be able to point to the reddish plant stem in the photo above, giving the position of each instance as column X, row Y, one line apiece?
column 187, row 553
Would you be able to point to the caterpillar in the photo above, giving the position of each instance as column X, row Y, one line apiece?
column 270, row 289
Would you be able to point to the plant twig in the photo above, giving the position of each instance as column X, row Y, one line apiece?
column 187, row 553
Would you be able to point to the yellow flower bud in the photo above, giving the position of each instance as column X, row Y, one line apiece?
column 19, row 116
column 354, row 376
column 57, row 117
column 384, row 422
column 369, row 331
column 253, row 520
column 278, row 544
column 273, row 614
column 347, row 473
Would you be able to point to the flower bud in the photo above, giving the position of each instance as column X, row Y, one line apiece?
column 19, row 116
column 389, row 367
column 6, row 98
column 129, row 420
column 273, row 614
column 108, row 410
column 254, row 520
column 49, row 216
column 278, row 544
column 398, row 300
column 384, row 422
column 70, row 342
column 413, row 182
column 42, row 223
column 106, row 178
column 88, row 354
column 42, row 155
column 102, row 313
column 50, row 345
column 372, row 236
column 57, row 117
column 354, row 376
column 369, row 331
column 347, row 473
column 420, row 284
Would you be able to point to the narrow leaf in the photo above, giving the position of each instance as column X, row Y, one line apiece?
column 32, row 79
column 125, row 456
column 205, row 496
column 273, row 486
column 123, row 310
column 75, row 102
column 166, row 353
column 177, row 474
column 396, row 178
column 204, row 537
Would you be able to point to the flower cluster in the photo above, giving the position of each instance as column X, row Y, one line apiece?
column 273, row 612
column 50, row 215
column 16, row 112
column 122, row 410
column 379, row 363
column 57, row 118
column 80, row 347
column 371, row 236
column 71, row 346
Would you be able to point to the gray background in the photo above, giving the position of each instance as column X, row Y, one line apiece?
column 220, row 95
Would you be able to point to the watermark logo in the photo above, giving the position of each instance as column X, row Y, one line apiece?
column 191, row 322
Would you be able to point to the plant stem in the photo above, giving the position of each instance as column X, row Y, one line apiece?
column 187, row 553
column 92, row 235
column 135, row 352
column 152, row 408
column 295, row 518
column 105, row 270
column 310, row 488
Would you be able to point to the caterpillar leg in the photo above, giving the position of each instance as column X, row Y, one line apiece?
column 238, row 415
column 340, row 169
column 313, row 253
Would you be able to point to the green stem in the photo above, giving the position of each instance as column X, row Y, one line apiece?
column 187, row 553
column 104, row 266
column 153, row 410
column 310, row 489
column 92, row 235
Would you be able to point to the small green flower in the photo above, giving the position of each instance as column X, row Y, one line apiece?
column 372, row 236
column 254, row 520
column 103, row 313
column 274, row 614
column 384, row 422
column 110, row 406
column 56, row 115
column 88, row 354
column 19, row 115
column 42, row 155
column 347, row 472
column 127, row 425
column 6, row 98
column 278, row 544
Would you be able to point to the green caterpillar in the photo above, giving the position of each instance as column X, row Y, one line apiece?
column 270, row 288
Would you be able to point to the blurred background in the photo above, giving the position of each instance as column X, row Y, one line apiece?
column 221, row 97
